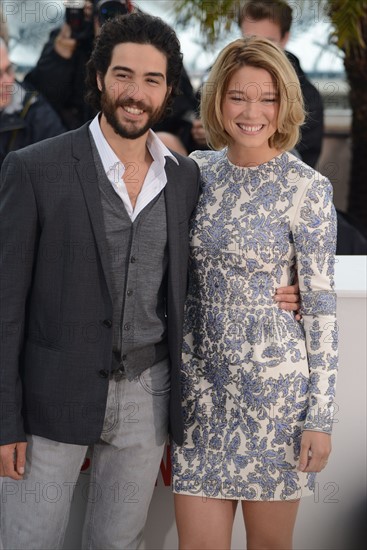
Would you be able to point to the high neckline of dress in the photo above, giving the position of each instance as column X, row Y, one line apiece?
column 255, row 167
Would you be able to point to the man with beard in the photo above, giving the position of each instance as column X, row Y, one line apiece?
column 61, row 68
column 94, row 229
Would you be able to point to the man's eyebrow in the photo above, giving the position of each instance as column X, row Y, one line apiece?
column 130, row 71
column 122, row 68
column 156, row 75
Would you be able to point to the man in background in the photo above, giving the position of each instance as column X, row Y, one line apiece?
column 272, row 19
column 25, row 116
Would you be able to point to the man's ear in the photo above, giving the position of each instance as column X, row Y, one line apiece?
column 284, row 40
column 99, row 82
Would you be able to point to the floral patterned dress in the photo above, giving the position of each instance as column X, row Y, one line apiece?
column 252, row 377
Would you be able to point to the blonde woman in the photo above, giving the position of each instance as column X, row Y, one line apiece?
column 257, row 386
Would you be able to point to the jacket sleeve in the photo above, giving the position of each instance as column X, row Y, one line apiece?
column 313, row 130
column 198, row 187
column 350, row 239
column 43, row 122
column 18, row 238
column 314, row 234
column 53, row 75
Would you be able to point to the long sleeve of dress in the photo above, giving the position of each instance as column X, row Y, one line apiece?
column 314, row 234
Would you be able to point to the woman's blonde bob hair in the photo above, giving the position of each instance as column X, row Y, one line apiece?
column 263, row 54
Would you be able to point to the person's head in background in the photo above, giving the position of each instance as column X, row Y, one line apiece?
column 4, row 34
column 278, row 90
column 85, row 18
column 103, row 10
column 7, row 76
column 107, row 9
column 271, row 19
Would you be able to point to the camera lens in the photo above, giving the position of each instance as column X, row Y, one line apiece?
column 110, row 9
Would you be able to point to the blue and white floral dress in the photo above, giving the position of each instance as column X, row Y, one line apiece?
column 252, row 377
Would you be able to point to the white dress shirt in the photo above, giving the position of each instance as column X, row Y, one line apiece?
column 155, row 180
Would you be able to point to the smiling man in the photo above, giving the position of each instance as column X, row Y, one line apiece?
column 94, row 229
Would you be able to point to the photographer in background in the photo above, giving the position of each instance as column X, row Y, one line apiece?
column 60, row 71
column 25, row 116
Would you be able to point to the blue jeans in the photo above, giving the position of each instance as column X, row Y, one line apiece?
column 125, row 464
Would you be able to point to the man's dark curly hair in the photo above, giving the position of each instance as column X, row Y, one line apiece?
column 139, row 28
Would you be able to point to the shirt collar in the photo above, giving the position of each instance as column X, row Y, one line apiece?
column 109, row 158
column 158, row 150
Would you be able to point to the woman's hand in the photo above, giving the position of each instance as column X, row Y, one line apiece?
column 315, row 451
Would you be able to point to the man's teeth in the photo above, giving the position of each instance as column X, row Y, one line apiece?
column 250, row 128
column 133, row 110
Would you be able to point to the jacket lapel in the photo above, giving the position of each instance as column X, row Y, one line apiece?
column 172, row 213
column 87, row 174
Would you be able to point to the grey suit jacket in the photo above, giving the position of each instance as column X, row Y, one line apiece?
column 55, row 299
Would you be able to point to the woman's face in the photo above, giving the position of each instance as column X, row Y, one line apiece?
column 250, row 109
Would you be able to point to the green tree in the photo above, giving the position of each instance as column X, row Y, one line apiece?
column 349, row 23
column 349, row 19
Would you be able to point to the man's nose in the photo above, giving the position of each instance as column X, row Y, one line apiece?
column 134, row 90
column 128, row 90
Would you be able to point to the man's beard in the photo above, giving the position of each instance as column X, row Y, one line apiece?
column 128, row 131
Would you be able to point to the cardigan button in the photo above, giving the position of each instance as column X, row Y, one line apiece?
column 103, row 373
column 107, row 323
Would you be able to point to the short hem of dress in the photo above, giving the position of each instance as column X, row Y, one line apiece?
column 309, row 493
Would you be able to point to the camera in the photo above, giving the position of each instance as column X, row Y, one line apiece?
column 74, row 17
column 81, row 27
column 106, row 9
